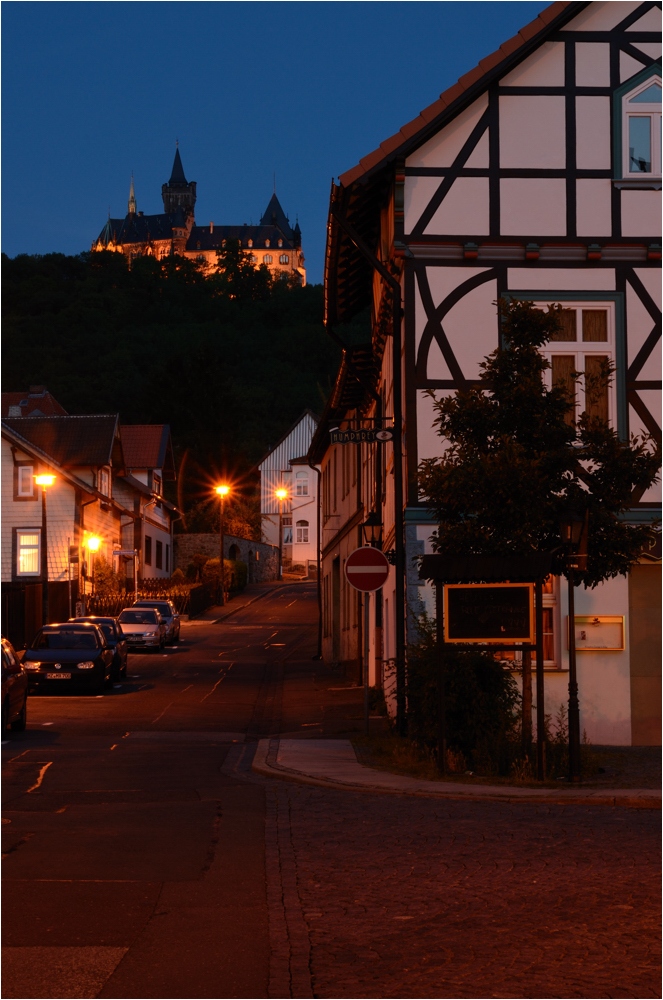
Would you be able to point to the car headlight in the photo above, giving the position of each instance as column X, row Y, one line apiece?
column 85, row 665
column 32, row 665
column 153, row 632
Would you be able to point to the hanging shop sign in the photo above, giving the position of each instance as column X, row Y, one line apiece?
column 364, row 435
column 489, row 612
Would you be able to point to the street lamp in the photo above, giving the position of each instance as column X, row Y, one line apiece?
column 571, row 526
column 44, row 480
column 372, row 529
column 281, row 494
column 222, row 492
column 93, row 544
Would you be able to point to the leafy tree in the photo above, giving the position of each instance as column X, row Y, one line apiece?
column 514, row 461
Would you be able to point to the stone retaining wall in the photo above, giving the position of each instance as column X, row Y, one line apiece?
column 262, row 560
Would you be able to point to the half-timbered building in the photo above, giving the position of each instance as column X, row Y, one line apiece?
column 536, row 176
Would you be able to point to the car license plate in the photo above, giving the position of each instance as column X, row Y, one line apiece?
column 58, row 677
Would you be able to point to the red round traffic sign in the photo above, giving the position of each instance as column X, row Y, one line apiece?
column 366, row 569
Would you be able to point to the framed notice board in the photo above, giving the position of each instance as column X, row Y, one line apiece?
column 599, row 632
column 489, row 612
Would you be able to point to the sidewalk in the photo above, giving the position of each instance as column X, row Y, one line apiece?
column 334, row 764
column 253, row 592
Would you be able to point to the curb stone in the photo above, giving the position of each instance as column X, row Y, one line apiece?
column 304, row 761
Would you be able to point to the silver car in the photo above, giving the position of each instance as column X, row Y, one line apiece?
column 143, row 628
column 168, row 612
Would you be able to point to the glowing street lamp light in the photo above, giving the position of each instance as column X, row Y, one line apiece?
column 281, row 494
column 44, row 480
column 92, row 544
column 222, row 492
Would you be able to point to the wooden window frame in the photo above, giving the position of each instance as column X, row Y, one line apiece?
column 16, row 554
column 22, row 497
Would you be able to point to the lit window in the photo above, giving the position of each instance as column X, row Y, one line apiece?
column 280, row 243
column 249, row 243
column 252, row 258
column 27, row 552
column 156, row 484
column 284, row 259
column 266, row 243
column 287, row 530
column 641, row 124
column 267, row 259
column 302, row 531
column 25, row 484
column 301, row 484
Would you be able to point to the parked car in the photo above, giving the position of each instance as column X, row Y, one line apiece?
column 168, row 612
column 70, row 654
column 14, row 690
column 115, row 638
column 143, row 628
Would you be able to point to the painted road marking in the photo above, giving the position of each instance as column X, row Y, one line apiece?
column 37, row 784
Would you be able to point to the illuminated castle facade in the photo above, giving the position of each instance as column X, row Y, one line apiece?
column 273, row 242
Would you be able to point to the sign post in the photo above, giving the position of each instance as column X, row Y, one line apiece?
column 130, row 554
column 366, row 569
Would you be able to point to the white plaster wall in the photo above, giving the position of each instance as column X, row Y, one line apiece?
column 464, row 211
column 443, row 148
column 640, row 325
column 651, row 21
column 628, row 66
column 652, row 49
column 532, row 132
column 651, row 279
column 533, row 205
column 593, row 135
column 561, row 278
column 442, row 281
column 641, row 213
column 602, row 16
column 479, row 158
column 418, row 193
column 593, row 64
column 471, row 328
column 544, row 68
column 437, row 366
column 594, row 206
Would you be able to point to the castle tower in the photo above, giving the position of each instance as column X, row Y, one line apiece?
column 132, row 198
column 178, row 193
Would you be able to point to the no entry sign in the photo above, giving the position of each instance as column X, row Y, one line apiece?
column 366, row 569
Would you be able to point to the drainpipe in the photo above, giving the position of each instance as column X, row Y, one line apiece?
column 318, row 554
column 395, row 285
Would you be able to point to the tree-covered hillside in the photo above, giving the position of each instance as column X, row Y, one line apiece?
column 228, row 361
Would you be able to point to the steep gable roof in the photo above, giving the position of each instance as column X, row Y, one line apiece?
column 73, row 441
column 148, row 446
column 35, row 400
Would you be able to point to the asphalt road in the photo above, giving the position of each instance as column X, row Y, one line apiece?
column 143, row 859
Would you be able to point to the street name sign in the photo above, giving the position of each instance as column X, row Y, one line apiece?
column 489, row 612
column 124, row 552
column 366, row 569
column 365, row 435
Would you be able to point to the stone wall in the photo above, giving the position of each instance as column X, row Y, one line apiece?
column 262, row 560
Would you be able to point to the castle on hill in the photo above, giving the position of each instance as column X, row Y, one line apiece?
column 273, row 242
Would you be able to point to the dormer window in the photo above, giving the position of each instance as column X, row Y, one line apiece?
column 639, row 117
column 266, row 243
column 280, row 243
column 249, row 243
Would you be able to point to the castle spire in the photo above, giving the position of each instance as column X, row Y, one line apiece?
column 179, row 193
column 132, row 198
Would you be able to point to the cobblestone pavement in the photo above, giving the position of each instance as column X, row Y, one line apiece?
column 417, row 898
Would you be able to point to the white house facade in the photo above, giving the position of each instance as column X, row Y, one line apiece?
column 294, row 516
column 538, row 177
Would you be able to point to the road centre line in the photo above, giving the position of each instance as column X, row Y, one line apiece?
column 215, row 686
column 37, row 784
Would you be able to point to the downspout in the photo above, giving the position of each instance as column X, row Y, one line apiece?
column 318, row 532
column 394, row 284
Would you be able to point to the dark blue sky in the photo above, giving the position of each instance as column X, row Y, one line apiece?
column 93, row 91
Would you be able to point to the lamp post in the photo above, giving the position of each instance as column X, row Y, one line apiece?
column 571, row 528
column 93, row 544
column 372, row 531
column 281, row 494
column 222, row 492
column 44, row 480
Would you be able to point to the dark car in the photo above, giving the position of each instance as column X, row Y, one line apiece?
column 14, row 691
column 115, row 638
column 71, row 654
column 168, row 612
column 143, row 628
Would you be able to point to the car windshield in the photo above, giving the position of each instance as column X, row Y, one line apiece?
column 66, row 639
column 106, row 627
column 163, row 609
column 138, row 617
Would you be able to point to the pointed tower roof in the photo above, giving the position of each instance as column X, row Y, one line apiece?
column 132, row 198
column 177, row 174
column 275, row 216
